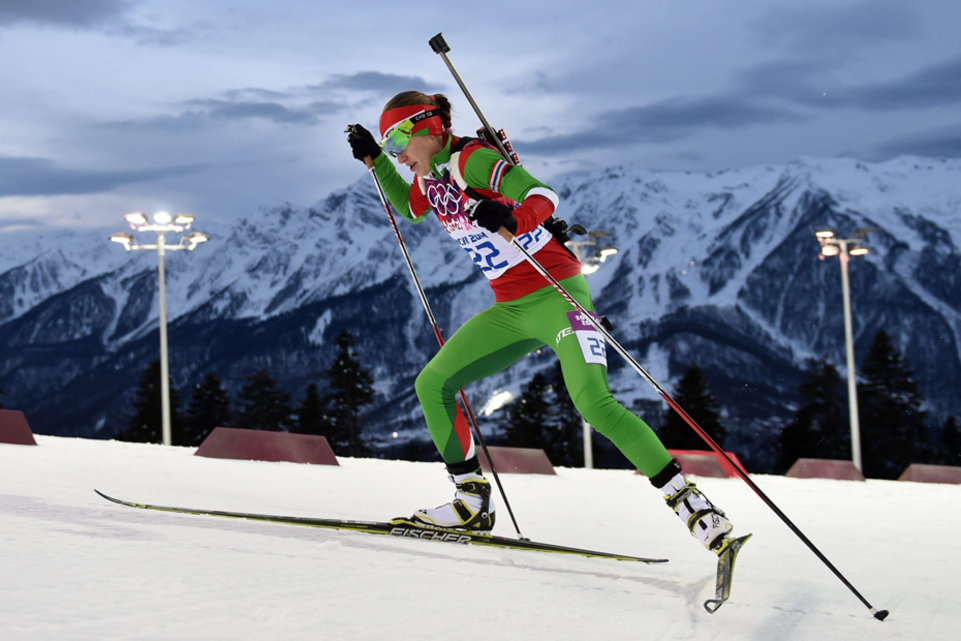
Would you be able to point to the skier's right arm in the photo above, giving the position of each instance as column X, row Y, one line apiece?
column 398, row 191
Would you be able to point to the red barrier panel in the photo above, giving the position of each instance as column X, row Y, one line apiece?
column 822, row 468
column 517, row 460
column 700, row 465
column 261, row 445
column 706, row 463
column 924, row 473
column 14, row 428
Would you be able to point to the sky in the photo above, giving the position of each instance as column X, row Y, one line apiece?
column 223, row 108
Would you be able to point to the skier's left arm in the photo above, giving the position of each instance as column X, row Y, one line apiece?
column 487, row 171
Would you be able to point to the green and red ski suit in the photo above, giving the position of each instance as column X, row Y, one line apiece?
column 527, row 314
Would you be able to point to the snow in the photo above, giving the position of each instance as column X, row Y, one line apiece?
column 74, row 566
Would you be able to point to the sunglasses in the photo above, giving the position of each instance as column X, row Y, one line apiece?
column 398, row 137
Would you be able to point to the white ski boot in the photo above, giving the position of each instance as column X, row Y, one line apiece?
column 471, row 509
column 707, row 524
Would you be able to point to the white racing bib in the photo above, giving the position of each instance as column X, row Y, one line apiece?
column 489, row 251
column 593, row 345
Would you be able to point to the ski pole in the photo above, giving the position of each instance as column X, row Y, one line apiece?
column 505, row 233
column 440, row 46
column 497, row 138
column 468, row 410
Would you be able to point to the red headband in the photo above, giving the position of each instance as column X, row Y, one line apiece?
column 391, row 117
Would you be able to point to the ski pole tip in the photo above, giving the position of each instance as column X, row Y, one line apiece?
column 881, row 615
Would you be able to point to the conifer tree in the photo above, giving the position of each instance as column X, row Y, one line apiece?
column 695, row 397
column 350, row 387
column 950, row 443
column 209, row 408
column 528, row 414
column 819, row 428
column 262, row 406
column 310, row 415
column 146, row 425
column 893, row 424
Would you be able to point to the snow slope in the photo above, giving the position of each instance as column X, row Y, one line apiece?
column 73, row 566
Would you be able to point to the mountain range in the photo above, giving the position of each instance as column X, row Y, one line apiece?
column 715, row 269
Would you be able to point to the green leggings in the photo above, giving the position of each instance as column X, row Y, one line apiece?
column 500, row 336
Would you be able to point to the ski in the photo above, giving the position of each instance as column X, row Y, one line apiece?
column 725, row 573
column 397, row 527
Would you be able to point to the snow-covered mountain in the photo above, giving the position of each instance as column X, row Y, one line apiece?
column 718, row 270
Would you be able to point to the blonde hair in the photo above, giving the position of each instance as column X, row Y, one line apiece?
column 411, row 98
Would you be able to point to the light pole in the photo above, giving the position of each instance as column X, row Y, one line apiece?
column 844, row 248
column 591, row 258
column 162, row 224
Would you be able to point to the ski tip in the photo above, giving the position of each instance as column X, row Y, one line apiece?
column 741, row 540
column 727, row 554
column 108, row 497
column 881, row 615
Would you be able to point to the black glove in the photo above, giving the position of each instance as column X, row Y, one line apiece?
column 362, row 143
column 492, row 215
column 558, row 228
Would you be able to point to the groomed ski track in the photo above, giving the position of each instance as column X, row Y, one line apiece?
column 77, row 567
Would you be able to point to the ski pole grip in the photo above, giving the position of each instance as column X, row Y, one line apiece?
column 438, row 44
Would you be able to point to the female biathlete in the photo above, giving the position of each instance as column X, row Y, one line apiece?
column 473, row 191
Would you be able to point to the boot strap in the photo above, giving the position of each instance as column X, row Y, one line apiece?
column 682, row 494
column 693, row 520
column 475, row 488
column 463, row 512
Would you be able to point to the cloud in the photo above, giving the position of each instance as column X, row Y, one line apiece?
column 41, row 177
column 150, row 36
column 291, row 106
column 812, row 83
column 10, row 225
column 224, row 110
column 798, row 81
column 662, row 122
column 257, row 93
column 111, row 17
column 848, row 27
column 72, row 13
column 376, row 81
column 935, row 86
column 943, row 143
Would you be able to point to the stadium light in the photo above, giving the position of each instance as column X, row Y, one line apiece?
column 163, row 223
column 844, row 248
